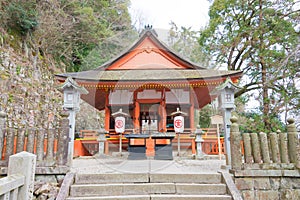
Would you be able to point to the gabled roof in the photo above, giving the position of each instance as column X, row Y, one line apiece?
column 148, row 58
column 149, row 64
column 150, row 49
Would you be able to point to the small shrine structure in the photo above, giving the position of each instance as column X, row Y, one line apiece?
column 149, row 81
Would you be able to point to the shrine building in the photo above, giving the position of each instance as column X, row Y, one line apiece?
column 149, row 82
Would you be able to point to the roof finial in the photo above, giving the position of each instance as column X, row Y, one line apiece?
column 148, row 27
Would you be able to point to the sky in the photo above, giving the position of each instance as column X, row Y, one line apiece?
column 159, row 13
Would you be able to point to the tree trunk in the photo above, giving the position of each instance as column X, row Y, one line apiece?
column 266, row 106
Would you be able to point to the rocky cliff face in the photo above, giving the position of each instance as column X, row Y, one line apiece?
column 27, row 92
column 28, row 89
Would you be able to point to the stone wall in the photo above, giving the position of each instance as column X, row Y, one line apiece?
column 268, row 184
column 269, row 166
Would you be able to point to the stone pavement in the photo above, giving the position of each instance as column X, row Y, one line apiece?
column 114, row 164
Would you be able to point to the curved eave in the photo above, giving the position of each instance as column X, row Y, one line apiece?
column 148, row 83
column 149, row 75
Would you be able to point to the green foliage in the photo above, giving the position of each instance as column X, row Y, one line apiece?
column 21, row 16
column 254, row 123
column 69, row 31
column 184, row 41
column 204, row 116
column 108, row 49
column 259, row 38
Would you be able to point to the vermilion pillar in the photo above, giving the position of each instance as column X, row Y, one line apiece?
column 107, row 112
column 136, row 112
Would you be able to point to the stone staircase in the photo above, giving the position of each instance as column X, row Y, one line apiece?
column 148, row 186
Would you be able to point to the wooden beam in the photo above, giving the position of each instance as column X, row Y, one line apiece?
column 163, row 114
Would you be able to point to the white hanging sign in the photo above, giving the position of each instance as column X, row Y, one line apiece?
column 179, row 124
column 120, row 124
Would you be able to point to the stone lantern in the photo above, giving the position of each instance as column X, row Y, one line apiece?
column 199, row 140
column 225, row 93
column 72, row 92
column 101, row 139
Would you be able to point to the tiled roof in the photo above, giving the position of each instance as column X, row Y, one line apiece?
column 129, row 75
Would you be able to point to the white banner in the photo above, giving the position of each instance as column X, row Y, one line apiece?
column 179, row 124
column 120, row 124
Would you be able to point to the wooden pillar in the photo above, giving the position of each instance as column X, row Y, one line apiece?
column 192, row 107
column 107, row 112
column 136, row 112
column 163, row 114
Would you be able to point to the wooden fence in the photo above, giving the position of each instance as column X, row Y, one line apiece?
column 265, row 151
column 49, row 145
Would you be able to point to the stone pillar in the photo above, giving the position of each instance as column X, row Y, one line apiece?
column 10, row 137
column 293, row 143
column 235, row 140
column 226, row 122
column 264, row 147
column 2, row 127
column 274, row 148
column 62, row 148
column 283, row 146
column 20, row 140
column 30, row 140
column 23, row 163
column 101, row 139
column 255, row 148
column 50, row 144
column 247, row 148
column 40, row 144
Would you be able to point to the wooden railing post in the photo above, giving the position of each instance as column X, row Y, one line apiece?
column 23, row 163
column 2, row 126
column 293, row 143
column 235, row 140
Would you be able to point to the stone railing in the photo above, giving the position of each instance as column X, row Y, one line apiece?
column 269, row 167
column 265, row 151
column 49, row 145
column 19, row 183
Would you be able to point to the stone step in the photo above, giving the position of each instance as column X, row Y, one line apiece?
column 78, row 190
column 145, row 178
column 190, row 197
column 111, row 178
column 156, row 197
column 186, row 178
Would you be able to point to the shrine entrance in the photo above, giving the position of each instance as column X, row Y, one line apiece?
column 149, row 117
column 149, row 82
